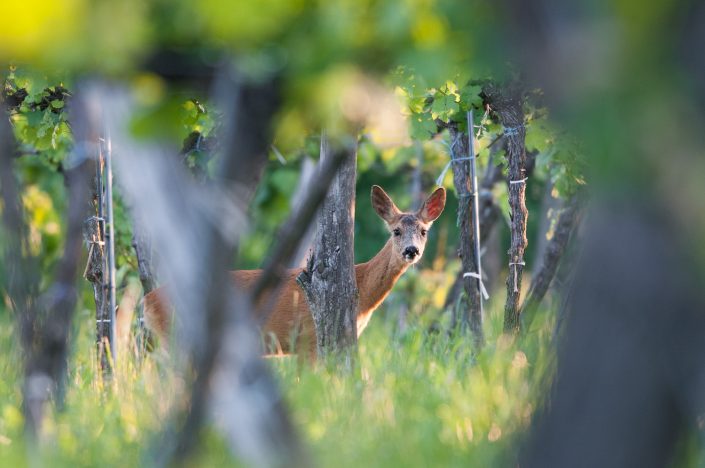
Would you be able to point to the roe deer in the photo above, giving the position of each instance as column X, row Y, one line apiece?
column 289, row 326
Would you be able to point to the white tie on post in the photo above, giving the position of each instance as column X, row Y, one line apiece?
column 516, row 279
column 482, row 285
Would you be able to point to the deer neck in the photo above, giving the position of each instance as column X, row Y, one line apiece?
column 375, row 279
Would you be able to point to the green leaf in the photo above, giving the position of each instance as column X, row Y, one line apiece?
column 538, row 137
column 34, row 118
column 470, row 97
column 57, row 104
column 422, row 127
column 417, row 104
column 444, row 106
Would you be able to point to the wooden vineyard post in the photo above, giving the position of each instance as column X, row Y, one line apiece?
column 98, row 233
column 467, row 310
column 507, row 104
column 328, row 280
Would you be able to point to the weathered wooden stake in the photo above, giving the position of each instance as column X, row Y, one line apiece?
column 506, row 102
column 467, row 312
column 329, row 278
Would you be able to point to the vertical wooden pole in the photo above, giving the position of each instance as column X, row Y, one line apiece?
column 467, row 310
column 328, row 280
column 94, row 235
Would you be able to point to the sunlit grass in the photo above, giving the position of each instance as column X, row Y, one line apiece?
column 422, row 400
column 416, row 399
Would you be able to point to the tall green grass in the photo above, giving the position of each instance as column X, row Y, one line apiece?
column 417, row 399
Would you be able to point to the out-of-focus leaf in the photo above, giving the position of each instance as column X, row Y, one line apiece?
column 444, row 106
column 422, row 127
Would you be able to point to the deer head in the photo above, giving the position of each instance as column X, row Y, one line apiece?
column 409, row 230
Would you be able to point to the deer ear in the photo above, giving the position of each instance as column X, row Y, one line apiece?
column 383, row 205
column 433, row 206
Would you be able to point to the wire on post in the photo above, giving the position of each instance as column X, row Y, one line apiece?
column 483, row 290
column 513, row 131
column 516, row 276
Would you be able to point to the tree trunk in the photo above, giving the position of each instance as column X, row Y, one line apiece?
column 466, row 312
column 507, row 104
column 329, row 278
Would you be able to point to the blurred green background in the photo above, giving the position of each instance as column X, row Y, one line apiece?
column 623, row 118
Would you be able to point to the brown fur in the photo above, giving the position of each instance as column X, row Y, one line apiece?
column 290, row 327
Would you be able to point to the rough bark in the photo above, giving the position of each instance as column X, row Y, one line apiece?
column 329, row 278
column 553, row 253
column 506, row 103
column 466, row 311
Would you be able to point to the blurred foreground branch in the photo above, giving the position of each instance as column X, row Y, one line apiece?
column 195, row 231
column 45, row 320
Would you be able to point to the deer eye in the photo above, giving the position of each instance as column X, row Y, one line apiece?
column 423, row 232
column 397, row 232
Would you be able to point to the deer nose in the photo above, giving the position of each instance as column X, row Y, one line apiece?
column 411, row 252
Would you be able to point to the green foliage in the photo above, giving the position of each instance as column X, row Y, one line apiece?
column 43, row 134
column 559, row 157
column 430, row 109
column 37, row 114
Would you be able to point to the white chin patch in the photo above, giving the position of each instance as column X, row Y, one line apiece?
column 410, row 259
